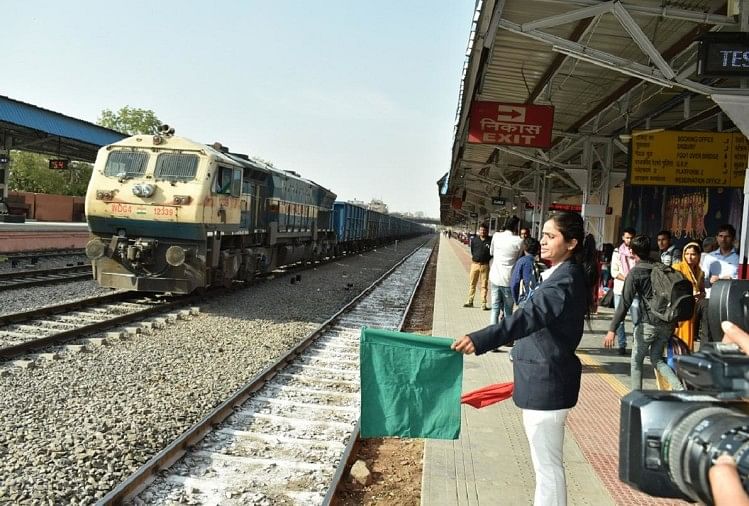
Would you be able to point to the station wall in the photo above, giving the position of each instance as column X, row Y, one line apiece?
column 46, row 207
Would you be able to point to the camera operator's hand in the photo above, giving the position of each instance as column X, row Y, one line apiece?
column 726, row 484
column 608, row 341
column 734, row 334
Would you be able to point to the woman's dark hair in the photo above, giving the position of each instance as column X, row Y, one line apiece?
column 511, row 223
column 641, row 246
column 531, row 246
column 572, row 226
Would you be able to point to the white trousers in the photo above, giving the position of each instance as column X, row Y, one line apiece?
column 545, row 432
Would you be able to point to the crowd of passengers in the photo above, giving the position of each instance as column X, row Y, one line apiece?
column 506, row 268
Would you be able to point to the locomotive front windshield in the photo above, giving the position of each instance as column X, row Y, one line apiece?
column 126, row 164
column 176, row 166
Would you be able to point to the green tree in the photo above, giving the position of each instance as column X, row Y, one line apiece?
column 130, row 120
column 30, row 172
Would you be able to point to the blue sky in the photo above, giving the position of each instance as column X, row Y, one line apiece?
column 359, row 96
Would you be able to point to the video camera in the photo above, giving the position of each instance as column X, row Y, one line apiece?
column 668, row 440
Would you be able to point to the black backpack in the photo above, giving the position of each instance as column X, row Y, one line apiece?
column 672, row 300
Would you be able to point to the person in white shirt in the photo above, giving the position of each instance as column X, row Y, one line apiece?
column 622, row 261
column 726, row 260
column 505, row 249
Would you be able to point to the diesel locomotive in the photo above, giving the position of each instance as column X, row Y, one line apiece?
column 167, row 214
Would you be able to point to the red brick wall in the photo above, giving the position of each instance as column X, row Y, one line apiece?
column 53, row 207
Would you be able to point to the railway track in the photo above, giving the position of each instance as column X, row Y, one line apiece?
column 37, row 329
column 283, row 438
column 33, row 256
column 22, row 279
column 34, row 330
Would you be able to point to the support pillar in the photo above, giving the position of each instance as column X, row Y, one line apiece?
column 5, row 145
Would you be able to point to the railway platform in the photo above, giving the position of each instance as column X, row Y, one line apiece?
column 42, row 235
column 490, row 463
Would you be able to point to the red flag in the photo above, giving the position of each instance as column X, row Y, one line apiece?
column 487, row 396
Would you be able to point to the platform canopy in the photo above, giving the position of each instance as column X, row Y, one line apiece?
column 608, row 68
column 27, row 127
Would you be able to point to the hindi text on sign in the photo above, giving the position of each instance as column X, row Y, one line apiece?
column 498, row 123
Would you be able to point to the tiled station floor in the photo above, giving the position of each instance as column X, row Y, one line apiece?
column 490, row 463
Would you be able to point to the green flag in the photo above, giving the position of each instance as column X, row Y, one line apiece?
column 410, row 385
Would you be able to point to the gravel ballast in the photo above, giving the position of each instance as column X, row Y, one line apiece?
column 34, row 297
column 76, row 427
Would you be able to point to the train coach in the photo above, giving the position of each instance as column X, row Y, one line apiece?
column 167, row 214
column 358, row 228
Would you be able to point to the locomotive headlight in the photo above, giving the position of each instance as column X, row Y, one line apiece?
column 103, row 195
column 144, row 190
column 175, row 256
column 95, row 249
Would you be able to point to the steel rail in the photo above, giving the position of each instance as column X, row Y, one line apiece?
column 328, row 499
column 144, row 475
column 56, row 338
column 61, row 308
column 61, row 337
column 23, row 255
column 20, row 279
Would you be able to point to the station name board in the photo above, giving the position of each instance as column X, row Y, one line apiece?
column 500, row 123
column 679, row 158
column 723, row 55
column 575, row 208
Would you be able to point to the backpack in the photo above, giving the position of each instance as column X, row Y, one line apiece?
column 672, row 300
column 526, row 291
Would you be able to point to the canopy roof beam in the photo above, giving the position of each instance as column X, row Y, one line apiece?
column 642, row 40
column 594, row 56
column 661, row 12
column 568, row 17
column 662, row 74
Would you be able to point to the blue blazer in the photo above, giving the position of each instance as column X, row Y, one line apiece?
column 546, row 331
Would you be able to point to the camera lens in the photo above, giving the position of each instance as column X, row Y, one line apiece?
column 696, row 440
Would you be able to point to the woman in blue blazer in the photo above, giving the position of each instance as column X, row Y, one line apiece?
column 546, row 331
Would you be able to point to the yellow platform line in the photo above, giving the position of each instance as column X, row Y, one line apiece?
column 619, row 387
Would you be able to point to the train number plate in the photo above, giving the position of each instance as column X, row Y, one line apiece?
column 164, row 212
column 120, row 209
column 141, row 212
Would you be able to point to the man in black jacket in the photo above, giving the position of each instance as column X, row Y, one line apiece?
column 480, row 256
column 651, row 333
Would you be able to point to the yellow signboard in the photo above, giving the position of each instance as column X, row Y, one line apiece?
column 676, row 158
